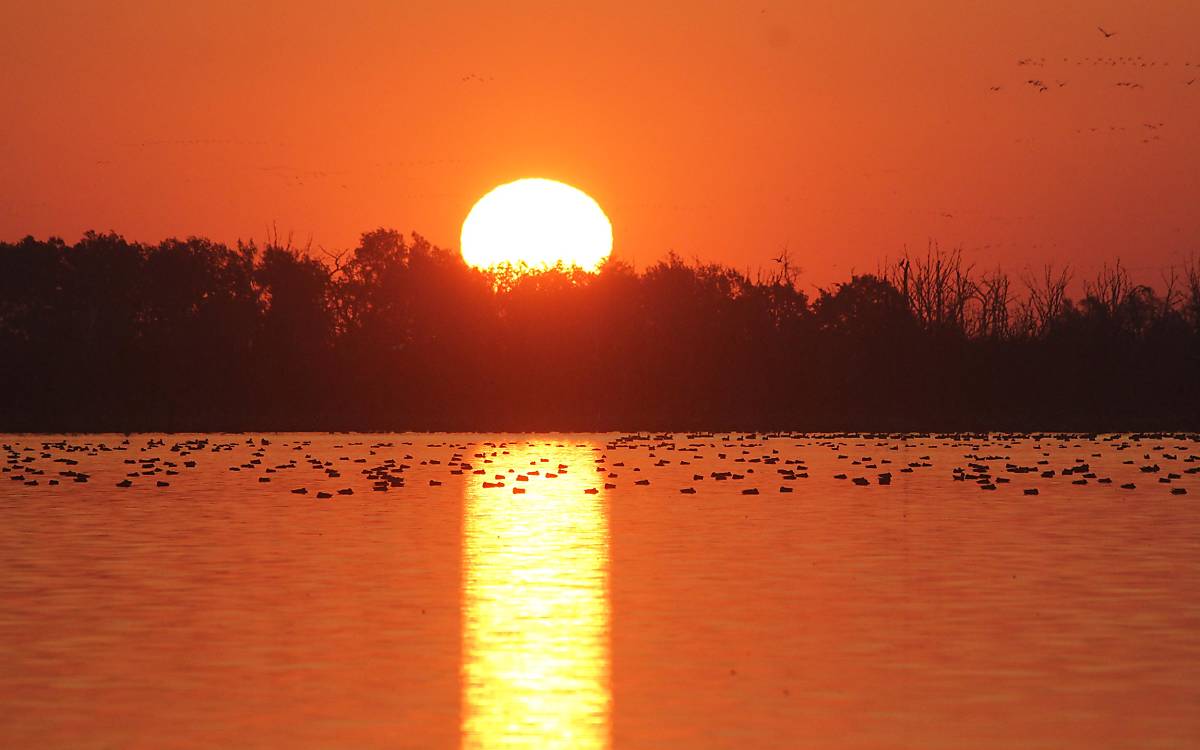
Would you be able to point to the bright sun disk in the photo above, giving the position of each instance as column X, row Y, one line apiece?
column 536, row 223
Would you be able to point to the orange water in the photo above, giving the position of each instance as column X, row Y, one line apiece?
column 225, row 612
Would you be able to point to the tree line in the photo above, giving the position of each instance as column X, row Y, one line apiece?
column 397, row 334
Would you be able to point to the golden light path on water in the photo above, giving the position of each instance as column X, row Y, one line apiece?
column 536, row 605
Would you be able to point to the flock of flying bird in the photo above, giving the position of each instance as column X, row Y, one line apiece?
column 1122, row 62
column 1042, row 84
column 747, row 463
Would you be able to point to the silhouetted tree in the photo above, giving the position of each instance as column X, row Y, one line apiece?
column 396, row 333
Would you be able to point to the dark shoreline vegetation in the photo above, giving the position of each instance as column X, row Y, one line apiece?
column 396, row 334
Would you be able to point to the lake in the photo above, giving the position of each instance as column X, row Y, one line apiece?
column 568, row 591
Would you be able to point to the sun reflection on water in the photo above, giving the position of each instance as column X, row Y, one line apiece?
column 535, row 602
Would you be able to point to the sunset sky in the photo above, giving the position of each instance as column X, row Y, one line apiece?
column 722, row 130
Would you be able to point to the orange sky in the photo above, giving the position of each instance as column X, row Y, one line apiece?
column 723, row 130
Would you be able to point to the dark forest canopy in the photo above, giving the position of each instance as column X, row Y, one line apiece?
column 397, row 334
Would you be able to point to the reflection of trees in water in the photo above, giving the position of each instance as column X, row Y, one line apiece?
column 396, row 333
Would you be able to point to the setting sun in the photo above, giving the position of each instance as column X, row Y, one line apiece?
column 536, row 223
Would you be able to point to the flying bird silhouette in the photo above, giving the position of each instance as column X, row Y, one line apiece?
column 783, row 254
column 1107, row 34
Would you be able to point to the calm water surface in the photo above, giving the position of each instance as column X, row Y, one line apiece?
column 225, row 611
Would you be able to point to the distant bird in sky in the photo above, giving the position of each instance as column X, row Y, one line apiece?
column 783, row 255
column 1107, row 34
column 997, row 88
column 1061, row 83
column 1189, row 83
